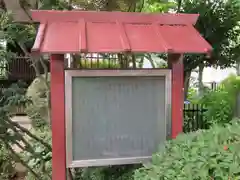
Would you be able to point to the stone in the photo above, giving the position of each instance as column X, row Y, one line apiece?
column 38, row 92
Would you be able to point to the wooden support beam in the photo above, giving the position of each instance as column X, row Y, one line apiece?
column 176, row 63
column 58, row 118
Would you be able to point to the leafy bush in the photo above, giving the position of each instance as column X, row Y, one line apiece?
column 192, row 95
column 220, row 104
column 6, row 165
column 102, row 64
column 124, row 172
column 40, row 160
column 205, row 154
column 11, row 97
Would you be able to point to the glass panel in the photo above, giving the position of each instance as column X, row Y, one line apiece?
column 117, row 117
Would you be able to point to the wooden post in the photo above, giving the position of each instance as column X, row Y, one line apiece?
column 58, row 118
column 175, row 61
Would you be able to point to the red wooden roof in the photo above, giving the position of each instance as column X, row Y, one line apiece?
column 86, row 31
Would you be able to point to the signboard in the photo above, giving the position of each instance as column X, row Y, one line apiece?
column 115, row 116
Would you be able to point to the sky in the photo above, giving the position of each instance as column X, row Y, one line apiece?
column 209, row 74
column 215, row 75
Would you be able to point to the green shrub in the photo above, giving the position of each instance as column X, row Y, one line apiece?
column 6, row 165
column 41, row 165
column 124, row 172
column 192, row 95
column 11, row 97
column 207, row 154
column 101, row 64
column 220, row 104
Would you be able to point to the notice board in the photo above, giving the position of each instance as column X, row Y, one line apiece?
column 115, row 116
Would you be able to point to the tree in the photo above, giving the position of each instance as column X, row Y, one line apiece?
column 217, row 24
column 162, row 6
column 11, row 133
column 107, row 5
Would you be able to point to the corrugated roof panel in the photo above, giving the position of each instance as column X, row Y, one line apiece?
column 184, row 38
column 143, row 38
column 61, row 37
column 103, row 37
column 118, row 36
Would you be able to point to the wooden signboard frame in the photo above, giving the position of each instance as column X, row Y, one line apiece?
column 69, row 74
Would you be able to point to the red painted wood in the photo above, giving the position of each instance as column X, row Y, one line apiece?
column 177, row 93
column 72, row 37
column 184, row 39
column 58, row 118
column 83, row 36
column 160, row 38
column 123, row 36
column 66, row 33
column 116, row 32
column 40, row 37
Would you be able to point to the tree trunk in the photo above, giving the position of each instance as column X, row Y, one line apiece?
column 179, row 4
column 237, row 103
column 187, row 76
column 238, row 68
column 20, row 14
column 200, row 79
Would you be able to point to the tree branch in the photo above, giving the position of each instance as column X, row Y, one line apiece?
column 2, row 5
column 134, row 61
column 179, row 4
column 34, row 60
column 30, row 134
column 45, row 68
column 23, row 4
column 142, row 5
column 27, row 147
column 30, row 149
column 70, row 5
column 148, row 56
column 133, row 4
column 18, row 159
column 47, row 86
column 141, row 62
column 70, row 175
